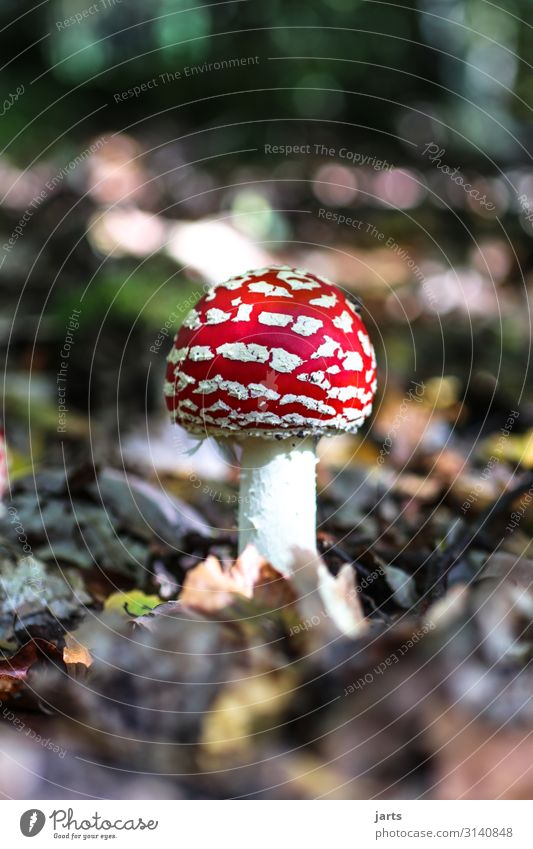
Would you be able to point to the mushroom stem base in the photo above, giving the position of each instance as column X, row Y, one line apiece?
column 277, row 505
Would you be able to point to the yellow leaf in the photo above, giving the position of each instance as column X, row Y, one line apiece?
column 74, row 652
column 515, row 448
column 134, row 603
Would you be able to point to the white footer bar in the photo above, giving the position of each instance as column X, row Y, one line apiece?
column 269, row 824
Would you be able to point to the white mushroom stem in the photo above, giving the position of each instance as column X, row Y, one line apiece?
column 277, row 505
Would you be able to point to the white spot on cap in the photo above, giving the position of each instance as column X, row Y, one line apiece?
column 284, row 361
column 244, row 312
column 199, row 353
column 324, row 301
column 232, row 387
column 259, row 390
column 231, row 285
column 236, row 301
column 218, row 405
column 352, row 361
column 216, row 316
column 306, row 326
column 318, row 378
column 344, row 321
column 182, row 380
column 310, row 403
column 296, row 278
column 177, row 355
column 354, row 392
column 327, row 349
column 205, row 387
column 345, row 393
column 365, row 343
column 257, row 418
column 297, row 420
column 264, row 288
column 274, row 319
column 235, row 389
column 182, row 416
column 243, row 352
column 237, row 282
column 192, row 320
column 355, row 416
column 188, row 404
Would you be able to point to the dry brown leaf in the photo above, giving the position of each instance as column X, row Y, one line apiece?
column 476, row 490
column 74, row 652
column 14, row 670
column 416, row 486
column 209, row 588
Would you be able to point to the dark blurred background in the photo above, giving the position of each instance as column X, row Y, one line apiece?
column 147, row 149
column 136, row 164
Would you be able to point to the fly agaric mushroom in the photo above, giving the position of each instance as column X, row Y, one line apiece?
column 273, row 359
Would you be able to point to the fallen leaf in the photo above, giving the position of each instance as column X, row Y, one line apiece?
column 14, row 670
column 417, row 486
column 476, row 490
column 272, row 589
column 328, row 606
column 245, row 707
column 209, row 588
column 74, row 652
column 341, row 599
column 133, row 603
column 402, row 585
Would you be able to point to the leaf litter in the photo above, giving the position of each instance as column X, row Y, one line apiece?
column 395, row 663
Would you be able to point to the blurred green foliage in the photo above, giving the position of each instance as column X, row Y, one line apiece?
column 380, row 78
column 382, row 55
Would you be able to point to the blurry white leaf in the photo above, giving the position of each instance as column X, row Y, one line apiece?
column 341, row 599
column 402, row 585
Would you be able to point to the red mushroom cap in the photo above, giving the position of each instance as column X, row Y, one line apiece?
column 276, row 352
